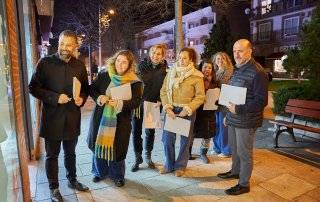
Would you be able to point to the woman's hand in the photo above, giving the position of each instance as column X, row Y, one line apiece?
column 113, row 103
column 170, row 113
column 183, row 113
column 102, row 99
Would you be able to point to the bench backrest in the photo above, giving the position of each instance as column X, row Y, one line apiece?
column 304, row 108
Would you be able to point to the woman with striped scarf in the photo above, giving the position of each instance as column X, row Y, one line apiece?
column 110, row 124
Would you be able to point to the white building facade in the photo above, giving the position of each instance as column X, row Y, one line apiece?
column 196, row 26
column 275, row 27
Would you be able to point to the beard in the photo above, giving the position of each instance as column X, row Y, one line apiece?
column 64, row 55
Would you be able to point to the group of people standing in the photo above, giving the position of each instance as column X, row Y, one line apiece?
column 179, row 91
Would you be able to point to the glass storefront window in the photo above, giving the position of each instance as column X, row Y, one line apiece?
column 10, row 177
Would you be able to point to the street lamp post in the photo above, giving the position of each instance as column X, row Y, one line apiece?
column 103, row 25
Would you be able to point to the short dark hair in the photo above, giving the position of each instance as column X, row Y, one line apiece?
column 69, row 33
column 192, row 54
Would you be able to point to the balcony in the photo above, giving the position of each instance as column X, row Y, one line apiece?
column 285, row 36
column 280, row 8
column 197, row 32
column 163, row 38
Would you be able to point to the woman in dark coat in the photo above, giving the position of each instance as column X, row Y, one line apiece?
column 110, row 124
column 204, row 126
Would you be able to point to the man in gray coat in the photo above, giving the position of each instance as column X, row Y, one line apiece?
column 243, row 120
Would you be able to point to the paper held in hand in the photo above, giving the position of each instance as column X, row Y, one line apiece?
column 122, row 92
column 212, row 96
column 151, row 115
column 233, row 94
column 76, row 88
column 178, row 125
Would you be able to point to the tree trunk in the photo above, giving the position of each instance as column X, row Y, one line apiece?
column 178, row 26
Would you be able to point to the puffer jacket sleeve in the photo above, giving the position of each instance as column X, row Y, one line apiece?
column 163, row 94
column 199, row 95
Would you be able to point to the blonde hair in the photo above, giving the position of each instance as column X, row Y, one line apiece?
column 161, row 46
column 128, row 54
column 225, row 60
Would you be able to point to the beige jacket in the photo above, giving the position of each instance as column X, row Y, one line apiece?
column 190, row 94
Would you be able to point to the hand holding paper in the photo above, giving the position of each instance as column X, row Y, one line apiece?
column 233, row 94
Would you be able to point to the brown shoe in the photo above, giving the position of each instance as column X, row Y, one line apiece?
column 163, row 171
column 179, row 173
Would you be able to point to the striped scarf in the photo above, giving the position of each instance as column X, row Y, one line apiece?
column 105, row 147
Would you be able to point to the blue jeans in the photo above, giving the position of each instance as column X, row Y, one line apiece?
column 169, row 140
column 220, row 140
column 114, row 169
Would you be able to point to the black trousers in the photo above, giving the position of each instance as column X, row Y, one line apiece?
column 137, row 133
column 52, row 153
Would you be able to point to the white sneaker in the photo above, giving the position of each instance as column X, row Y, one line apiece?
column 221, row 155
column 213, row 152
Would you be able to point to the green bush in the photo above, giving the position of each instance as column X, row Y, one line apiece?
column 305, row 91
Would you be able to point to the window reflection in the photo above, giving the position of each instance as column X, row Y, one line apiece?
column 10, row 178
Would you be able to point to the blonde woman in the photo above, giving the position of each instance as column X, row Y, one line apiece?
column 151, row 71
column 224, row 70
column 110, row 124
column 181, row 94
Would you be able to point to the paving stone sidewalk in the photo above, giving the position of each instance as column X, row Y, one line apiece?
column 275, row 177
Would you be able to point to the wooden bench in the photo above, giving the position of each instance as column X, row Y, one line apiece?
column 304, row 108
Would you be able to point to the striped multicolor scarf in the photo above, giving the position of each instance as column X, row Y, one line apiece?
column 104, row 147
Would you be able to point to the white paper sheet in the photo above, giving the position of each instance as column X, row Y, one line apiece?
column 233, row 94
column 178, row 125
column 151, row 115
column 122, row 92
column 212, row 96
column 76, row 88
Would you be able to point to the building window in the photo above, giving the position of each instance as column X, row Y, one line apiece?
column 291, row 26
column 293, row 3
column 210, row 20
column 265, row 6
column 264, row 31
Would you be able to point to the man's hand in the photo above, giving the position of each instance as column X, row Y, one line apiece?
column 183, row 113
column 225, row 121
column 170, row 113
column 232, row 108
column 78, row 101
column 63, row 99
column 113, row 103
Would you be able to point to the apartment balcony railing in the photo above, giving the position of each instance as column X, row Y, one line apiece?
column 277, row 36
column 280, row 8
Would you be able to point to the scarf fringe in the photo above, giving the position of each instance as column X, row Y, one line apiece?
column 104, row 152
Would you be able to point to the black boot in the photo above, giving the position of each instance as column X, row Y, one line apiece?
column 203, row 155
column 190, row 154
column 149, row 160
column 138, row 161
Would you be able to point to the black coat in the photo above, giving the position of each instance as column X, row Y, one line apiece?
column 52, row 78
column 205, row 123
column 123, row 131
column 249, row 115
column 152, row 77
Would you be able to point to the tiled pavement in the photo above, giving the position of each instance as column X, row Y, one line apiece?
column 275, row 177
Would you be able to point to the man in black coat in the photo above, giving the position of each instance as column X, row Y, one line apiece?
column 152, row 72
column 243, row 120
column 52, row 84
